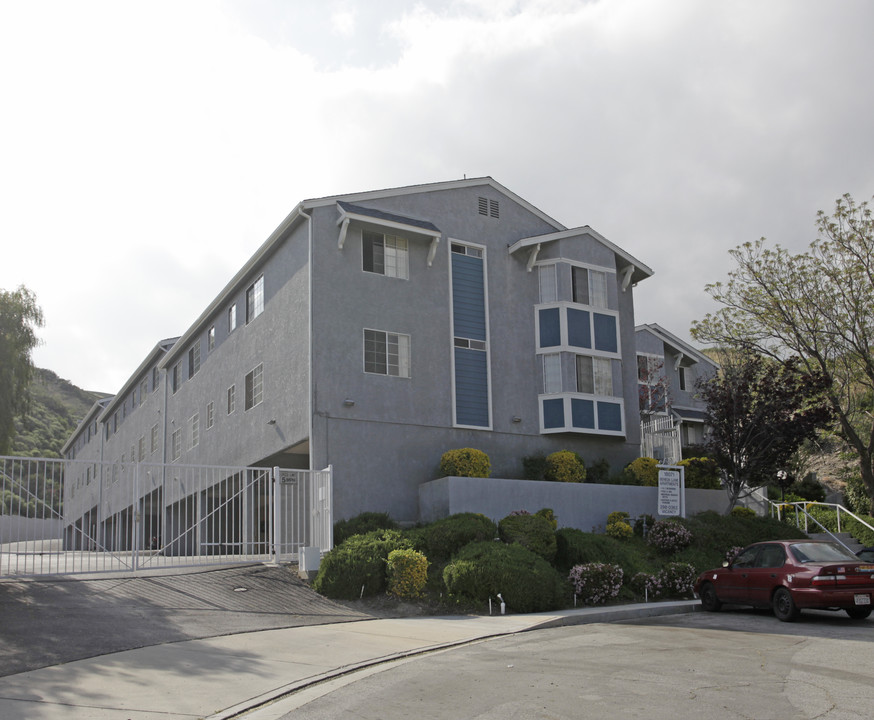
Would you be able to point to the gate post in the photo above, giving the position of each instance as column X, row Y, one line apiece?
column 274, row 526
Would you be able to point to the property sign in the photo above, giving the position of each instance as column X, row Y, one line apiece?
column 670, row 493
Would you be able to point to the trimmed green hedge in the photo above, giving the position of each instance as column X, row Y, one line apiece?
column 443, row 538
column 360, row 524
column 358, row 566
column 525, row 580
column 534, row 532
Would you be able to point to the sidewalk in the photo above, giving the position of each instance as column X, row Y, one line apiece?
column 222, row 677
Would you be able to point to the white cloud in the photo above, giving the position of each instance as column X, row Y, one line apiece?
column 152, row 147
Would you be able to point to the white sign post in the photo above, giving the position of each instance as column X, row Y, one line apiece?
column 672, row 490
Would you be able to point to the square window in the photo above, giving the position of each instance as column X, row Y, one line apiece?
column 589, row 287
column 386, row 353
column 385, row 255
column 594, row 375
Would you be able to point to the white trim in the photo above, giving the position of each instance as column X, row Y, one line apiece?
column 346, row 216
column 577, row 263
column 562, row 305
column 449, row 243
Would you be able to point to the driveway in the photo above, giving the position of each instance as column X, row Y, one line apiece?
column 48, row 621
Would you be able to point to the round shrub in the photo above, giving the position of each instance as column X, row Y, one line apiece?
column 619, row 530
column 359, row 562
column 596, row 583
column 701, row 472
column 361, row 524
column 525, row 580
column 465, row 462
column 674, row 580
column 669, row 536
column 617, row 516
column 741, row 511
column 443, row 538
column 407, row 573
column 643, row 471
column 534, row 532
column 564, row 466
column 549, row 515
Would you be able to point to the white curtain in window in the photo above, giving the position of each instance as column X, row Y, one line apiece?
column 548, row 284
column 597, row 288
column 552, row 373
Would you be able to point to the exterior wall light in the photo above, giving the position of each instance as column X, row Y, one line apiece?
column 348, row 402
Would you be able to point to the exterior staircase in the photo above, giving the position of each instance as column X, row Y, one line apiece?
column 845, row 538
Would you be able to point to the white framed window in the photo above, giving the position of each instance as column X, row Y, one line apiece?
column 194, row 359
column 255, row 299
column 153, row 439
column 232, row 318
column 548, row 283
column 683, row 378
column 386, row 353
column 210, row 414
column 176, row 440
column 552, row 373
column 232, row 401
column 141, row 448
column 210, row 339
column 254, row 387
column 385, row 255
column 144, row 389
column 589, row 287
column 175, row 377
column 594, row 375
column 194, row 430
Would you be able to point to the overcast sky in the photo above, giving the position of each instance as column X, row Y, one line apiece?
column 147, row 149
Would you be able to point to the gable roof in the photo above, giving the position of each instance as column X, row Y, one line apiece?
column 675, row 343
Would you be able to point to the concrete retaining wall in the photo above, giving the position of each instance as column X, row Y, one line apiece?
column 579, row 505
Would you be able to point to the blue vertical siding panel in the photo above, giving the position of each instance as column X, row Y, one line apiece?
column 550, row 327
column 583, row 413
column 578, row 332
column 609, row 416
column 605, row 332
column 553, row 413
column 468, row 297
column 471, row 388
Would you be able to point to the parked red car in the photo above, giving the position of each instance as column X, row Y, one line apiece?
column 789, row 575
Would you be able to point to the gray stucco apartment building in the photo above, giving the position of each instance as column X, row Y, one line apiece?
column 374, row 331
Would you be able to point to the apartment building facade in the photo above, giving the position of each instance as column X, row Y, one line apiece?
column 372, row 332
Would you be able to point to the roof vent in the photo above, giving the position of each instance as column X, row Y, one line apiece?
column 488, row 207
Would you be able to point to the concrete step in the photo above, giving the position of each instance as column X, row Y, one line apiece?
column 847, row 539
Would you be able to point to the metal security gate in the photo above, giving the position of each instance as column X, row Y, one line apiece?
column 61, row 517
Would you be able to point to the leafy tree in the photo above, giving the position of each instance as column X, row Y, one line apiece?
column 817, row 305
column 760, row 412
column 19, row 318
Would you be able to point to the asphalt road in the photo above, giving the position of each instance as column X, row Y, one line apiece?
column 736, row 664
column 46, row 621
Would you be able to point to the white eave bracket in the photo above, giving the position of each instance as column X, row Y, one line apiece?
column 627, row 272
column 432, row 251
column 677, row 362
column 532, row 257
column 343, row 222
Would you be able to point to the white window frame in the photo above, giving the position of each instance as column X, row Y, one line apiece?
column 194, row 425
column 395, row 255
column 548, row 278
column 176, row 440
column 395, row 345
column 210, row 414
column 255, row 299
column 254, row 388
column 552, row 375
column 232, row 399
column 194, row 359
column 232, row 318
column 602, row 375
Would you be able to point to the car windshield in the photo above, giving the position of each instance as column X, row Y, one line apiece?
column 820, row 552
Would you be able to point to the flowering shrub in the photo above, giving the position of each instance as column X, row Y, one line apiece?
column 596, row 583
column 465, row 462
column 619, row 530
column 674, row 580
column 617, row 516
column 564, row 466
column 407, row 573
column 669, row 536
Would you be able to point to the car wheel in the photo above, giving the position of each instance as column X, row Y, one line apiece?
column 709, row 601
column 859, row 613
column 784, row 606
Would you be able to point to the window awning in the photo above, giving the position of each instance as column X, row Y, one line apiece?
column 349, row 212
column 688, row 415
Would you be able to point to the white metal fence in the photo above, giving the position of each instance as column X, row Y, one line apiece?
column 73, row 517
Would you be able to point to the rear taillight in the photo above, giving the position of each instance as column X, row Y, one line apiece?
column 827, row 579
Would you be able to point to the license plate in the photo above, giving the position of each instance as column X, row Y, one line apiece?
column 862, row 599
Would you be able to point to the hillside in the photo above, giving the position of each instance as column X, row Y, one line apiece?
column 57, row 407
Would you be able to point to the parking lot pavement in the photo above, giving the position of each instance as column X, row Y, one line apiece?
column 735, row 664
column 47, row 621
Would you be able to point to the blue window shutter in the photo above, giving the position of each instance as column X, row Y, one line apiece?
column 583, row 413
column 553, row 413
column 468, row 297
column 605, row 333
column 578, row 333
column 471, row 388
column 550, row 327
column 609, row 416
